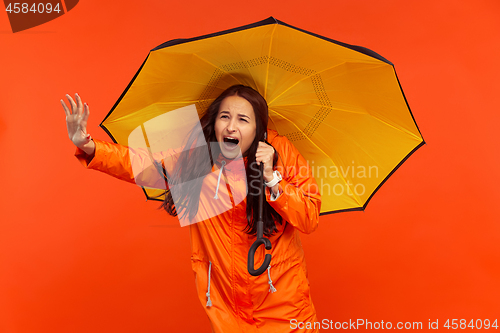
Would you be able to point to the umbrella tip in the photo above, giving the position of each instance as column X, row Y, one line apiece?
column 272, row 18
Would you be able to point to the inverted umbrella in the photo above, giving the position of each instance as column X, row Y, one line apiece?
column 340, row 105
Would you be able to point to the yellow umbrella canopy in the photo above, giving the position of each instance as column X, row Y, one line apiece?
column 340, row 105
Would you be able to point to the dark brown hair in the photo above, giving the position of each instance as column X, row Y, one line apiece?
column 197, row 162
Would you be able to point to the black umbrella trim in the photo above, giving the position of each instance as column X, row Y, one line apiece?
column 272, row 20
column 407, row 105
column 119, row 99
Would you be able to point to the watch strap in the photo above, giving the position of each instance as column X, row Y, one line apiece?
column 277, row 178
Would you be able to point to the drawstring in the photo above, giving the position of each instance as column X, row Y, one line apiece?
column 209, row 301
column 218, row 180
column 271, row 287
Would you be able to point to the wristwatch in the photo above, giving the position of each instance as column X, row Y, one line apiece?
column 277, row 178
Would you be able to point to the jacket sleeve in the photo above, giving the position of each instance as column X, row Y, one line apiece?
column 128, row 164
column 299, row 201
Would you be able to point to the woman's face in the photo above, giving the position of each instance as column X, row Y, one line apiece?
column 235, row 126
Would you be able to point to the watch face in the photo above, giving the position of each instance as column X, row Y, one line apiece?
column 278, row 174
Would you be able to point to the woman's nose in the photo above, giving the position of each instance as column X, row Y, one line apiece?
column 231, row 127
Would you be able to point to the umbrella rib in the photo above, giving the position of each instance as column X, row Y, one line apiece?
column 269, row 62
column 321, row 150
column 271, row 119
column 397, row 128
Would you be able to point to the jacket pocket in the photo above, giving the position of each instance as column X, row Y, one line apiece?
column 305, row 286
column 201, row 277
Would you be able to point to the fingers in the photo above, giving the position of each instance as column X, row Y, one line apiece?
column 72, row 103
column 66, row 110
column 77, row 108
column 264, row 154
column 79, row 104
column 85, row 117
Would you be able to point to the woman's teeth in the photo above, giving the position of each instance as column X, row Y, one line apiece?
column 230, row 143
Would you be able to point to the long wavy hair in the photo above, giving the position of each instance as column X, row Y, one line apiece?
column 197, row 162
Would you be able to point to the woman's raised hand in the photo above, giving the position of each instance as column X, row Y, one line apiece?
column 76, row 122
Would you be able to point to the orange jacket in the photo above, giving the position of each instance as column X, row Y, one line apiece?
column 219, row 244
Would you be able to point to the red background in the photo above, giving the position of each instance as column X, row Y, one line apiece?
column 83, row 252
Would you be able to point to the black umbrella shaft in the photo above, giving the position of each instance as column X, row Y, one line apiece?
column 260, row 219
column 260, row 233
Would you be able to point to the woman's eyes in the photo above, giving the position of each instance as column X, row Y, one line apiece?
column 224, row 117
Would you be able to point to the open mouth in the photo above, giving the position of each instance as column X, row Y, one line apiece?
column 230, row 143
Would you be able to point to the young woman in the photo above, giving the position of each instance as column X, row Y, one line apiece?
column 224, row 205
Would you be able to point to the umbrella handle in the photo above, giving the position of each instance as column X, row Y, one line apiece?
column 261, row 240
column 251, row 254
